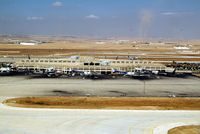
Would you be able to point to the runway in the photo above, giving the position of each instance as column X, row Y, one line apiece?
column 67, row 121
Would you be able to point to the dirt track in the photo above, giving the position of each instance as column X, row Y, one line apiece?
column 133, row 103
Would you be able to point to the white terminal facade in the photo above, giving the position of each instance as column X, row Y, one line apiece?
column 85, row 63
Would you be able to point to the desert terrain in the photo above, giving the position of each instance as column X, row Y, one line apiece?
column 159, row 50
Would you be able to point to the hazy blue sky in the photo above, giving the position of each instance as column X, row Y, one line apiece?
column 102, row 18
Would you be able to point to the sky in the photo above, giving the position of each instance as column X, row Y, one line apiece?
column 168, row 19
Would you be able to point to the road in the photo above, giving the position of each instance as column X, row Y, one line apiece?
column 67, row 121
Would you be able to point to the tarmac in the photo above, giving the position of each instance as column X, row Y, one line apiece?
column 36, row 86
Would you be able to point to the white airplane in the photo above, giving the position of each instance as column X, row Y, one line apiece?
column 51, row 72
column 169, row 74
column 85, row 73
column 4, row 70
column 132, row 74
column 148, row 71
column 88, row 74
column 124, row 72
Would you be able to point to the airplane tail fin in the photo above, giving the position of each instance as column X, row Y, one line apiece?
column 70, row 70
column 174, row 71
column 113, row 70
column 139, row 69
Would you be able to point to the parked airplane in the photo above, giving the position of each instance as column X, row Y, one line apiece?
column 88, row 74
column 148, row 71
column 168, row 74
column 49, row 72
column 4, row 70
column 83, row 73
column 174, row 74
column 137, row 75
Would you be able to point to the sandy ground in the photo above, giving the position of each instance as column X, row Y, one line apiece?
column 192, row 129
column 89, row 47
column 128, row 103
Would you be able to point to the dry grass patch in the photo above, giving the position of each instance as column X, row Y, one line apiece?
column 133, row 103
column 192, row 129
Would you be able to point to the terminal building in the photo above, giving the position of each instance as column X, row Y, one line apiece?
column 92, row 64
